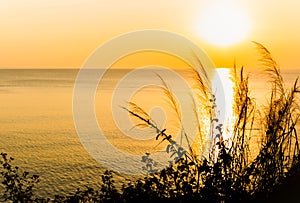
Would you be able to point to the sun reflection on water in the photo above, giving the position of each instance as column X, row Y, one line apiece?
column 223, row 87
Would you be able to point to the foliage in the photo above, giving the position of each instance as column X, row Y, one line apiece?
column 227, row 174
column 17, row 185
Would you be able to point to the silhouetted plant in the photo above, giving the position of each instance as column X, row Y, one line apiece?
column 279, row 149
column 223, row 172
column 17, row 185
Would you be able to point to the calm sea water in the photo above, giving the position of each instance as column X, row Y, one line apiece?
column 37, row 126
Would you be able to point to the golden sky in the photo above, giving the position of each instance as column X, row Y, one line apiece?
column 62, row 34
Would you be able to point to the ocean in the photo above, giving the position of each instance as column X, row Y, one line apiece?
column 38, row 130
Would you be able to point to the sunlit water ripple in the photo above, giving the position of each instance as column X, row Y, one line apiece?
column 37, row 127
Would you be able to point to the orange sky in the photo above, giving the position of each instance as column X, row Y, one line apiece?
column 62, row 34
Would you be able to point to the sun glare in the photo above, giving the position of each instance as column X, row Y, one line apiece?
column 223, row 24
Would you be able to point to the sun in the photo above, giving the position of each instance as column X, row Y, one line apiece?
column 223, row 24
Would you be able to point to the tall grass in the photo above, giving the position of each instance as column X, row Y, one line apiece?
column 279, row 149
column 229, row 171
